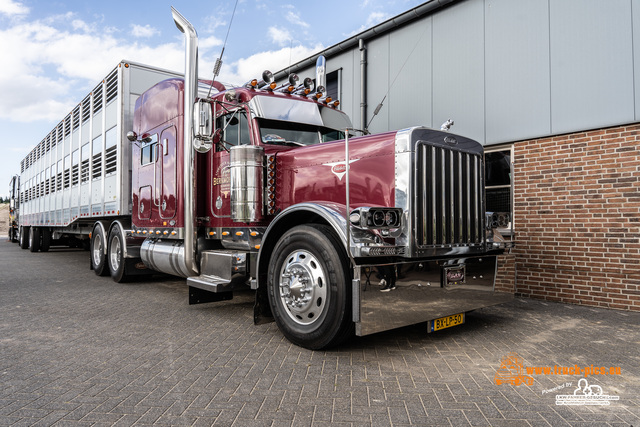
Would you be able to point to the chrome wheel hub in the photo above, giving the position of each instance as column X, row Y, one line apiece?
column 98, row 250
column 303, row 287
column 115, row 254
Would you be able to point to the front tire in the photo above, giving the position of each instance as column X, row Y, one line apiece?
column 309, row 287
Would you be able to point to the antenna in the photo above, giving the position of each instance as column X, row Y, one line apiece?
column 218, row 64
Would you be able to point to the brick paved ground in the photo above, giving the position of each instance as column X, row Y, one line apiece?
column 76, row 349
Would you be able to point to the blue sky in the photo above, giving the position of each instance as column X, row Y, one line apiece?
column 55, row 51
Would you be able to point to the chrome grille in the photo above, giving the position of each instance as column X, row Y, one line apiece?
column 449, row 201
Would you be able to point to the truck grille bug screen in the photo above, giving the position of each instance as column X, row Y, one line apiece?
column 449, row 186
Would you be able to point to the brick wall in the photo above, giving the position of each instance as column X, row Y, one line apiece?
column 577, row 213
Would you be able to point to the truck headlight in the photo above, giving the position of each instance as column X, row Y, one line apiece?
column 378, row 218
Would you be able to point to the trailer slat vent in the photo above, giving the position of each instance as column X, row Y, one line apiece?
column 59, row 181
column 85, row 171
column 96, row 162
column 74, row 175
column 97, row 99
column 110, row 160
column 67, row 125
column 86, row 109
column 60, row 133
column 76, row 117
column 112, row 86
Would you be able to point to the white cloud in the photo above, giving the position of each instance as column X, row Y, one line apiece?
column 246, row 69
column 50, row 64
column 46, row 64
column 280, row 36
column 294, row 18
column 144, row 31
column 12, row 8
column 373, row 19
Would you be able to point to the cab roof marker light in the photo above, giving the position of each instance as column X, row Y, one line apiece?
column 306, row 87
column 267, row 79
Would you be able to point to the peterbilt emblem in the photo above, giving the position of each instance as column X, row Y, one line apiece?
column 450, row 140
column 339, row 168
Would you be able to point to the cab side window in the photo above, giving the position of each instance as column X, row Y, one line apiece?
column 149, row 151
column 235, row 130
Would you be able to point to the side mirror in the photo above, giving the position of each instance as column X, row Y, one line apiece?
column 12, row 204
column 202, row 126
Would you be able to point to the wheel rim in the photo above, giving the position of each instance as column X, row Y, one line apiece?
column 303, row 287
column 98, row 250
column 115, row 254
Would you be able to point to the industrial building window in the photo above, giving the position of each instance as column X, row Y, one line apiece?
column 333, row 84
column 499, row 179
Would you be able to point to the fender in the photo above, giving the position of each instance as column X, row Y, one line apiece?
column 331, row 214
column 328, row 213
column 130, row 246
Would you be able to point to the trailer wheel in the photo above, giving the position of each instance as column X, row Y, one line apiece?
column 97, row 250
column 34, row 239
column 46, row 239
column 115, row 255
column 308, row 287
column 24, row 237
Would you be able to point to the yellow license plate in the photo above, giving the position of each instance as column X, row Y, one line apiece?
column 446, row 322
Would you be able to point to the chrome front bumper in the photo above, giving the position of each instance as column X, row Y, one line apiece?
column 422, row 292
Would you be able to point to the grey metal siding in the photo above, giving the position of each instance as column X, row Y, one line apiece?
column 518, row 97
column 503, row 70
column 410, row 69
column 458, row 68
column 591, row 64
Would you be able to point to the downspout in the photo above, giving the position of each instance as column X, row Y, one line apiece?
column 363, row 84
column 189, row 178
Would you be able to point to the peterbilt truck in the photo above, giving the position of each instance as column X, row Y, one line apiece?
column 267, row 187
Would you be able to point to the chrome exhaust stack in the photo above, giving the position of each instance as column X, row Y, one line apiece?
column 190, row 92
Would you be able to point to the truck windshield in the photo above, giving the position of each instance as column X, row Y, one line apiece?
column 290, row 133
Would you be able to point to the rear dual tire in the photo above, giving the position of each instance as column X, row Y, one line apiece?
column 107, row 253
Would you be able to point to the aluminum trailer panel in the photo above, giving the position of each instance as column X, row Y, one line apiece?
column 82, row 168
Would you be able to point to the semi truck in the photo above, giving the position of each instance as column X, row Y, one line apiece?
column 267, row 187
